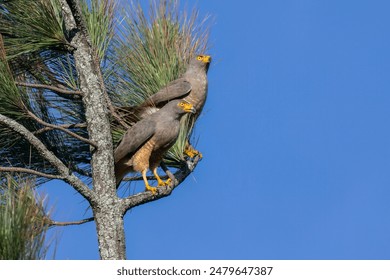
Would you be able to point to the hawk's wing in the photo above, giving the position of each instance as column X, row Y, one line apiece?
column 134, row 138
column 174, row 90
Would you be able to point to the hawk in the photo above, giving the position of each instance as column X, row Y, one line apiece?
column 144, row 144
column 191, row 86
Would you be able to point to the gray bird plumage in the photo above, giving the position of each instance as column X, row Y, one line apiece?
column 191, row 86
column 144, row 144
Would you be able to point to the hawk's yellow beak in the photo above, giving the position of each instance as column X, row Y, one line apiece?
column 187, row 107
column 206, row 59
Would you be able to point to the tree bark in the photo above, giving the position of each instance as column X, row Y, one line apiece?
column 108, row 217
column 110, row 231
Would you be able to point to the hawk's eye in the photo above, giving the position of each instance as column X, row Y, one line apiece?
column 199, row 57
column 181, row 104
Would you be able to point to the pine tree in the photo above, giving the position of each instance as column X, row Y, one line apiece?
column 66, row 66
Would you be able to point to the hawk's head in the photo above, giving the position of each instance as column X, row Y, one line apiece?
column 201, row 61
column 186, row 107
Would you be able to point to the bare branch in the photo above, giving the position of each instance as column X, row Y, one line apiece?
column 52, row 88
column 53, row 126
column 64, row 171
column 112, row 109
column 30, row 171
column 75, row 125
column 63, row 224
column 81, row 171
column 144, row 197
column 139, row 178
column 167, row 171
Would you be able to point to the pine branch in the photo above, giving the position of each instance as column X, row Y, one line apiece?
column 62, row 224
column 64, row 171
column 167, row 171
column 52, row 88
column 30, row 171
column 145, row 197
column 53, row 126
column 82, row 172
column 75, row 125
column 111, row 107
column 139, row 178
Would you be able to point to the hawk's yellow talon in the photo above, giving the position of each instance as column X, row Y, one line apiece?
column 191, row 152
column 160, row 183
column 152, row 189
column 168, row 182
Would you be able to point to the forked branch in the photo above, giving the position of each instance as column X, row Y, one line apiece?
column 30, row 171
column 53, row 126
column 73, row 223
column 144, row 197
column 75, row 125
column 52, row 88
column 61, row 168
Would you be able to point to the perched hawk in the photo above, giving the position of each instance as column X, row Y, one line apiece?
column 192, row 87
column 144, row 144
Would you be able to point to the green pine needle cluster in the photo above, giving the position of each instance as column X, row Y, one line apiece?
column 10, row 98
column 99, row 15
column 23, row 222
column 31, row 26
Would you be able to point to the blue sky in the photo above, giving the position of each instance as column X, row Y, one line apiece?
column 296, row 142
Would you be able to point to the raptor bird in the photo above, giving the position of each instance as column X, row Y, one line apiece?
column 191, row 87
column 144, row 144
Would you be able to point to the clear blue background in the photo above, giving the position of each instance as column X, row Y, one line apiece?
column 296, row 142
